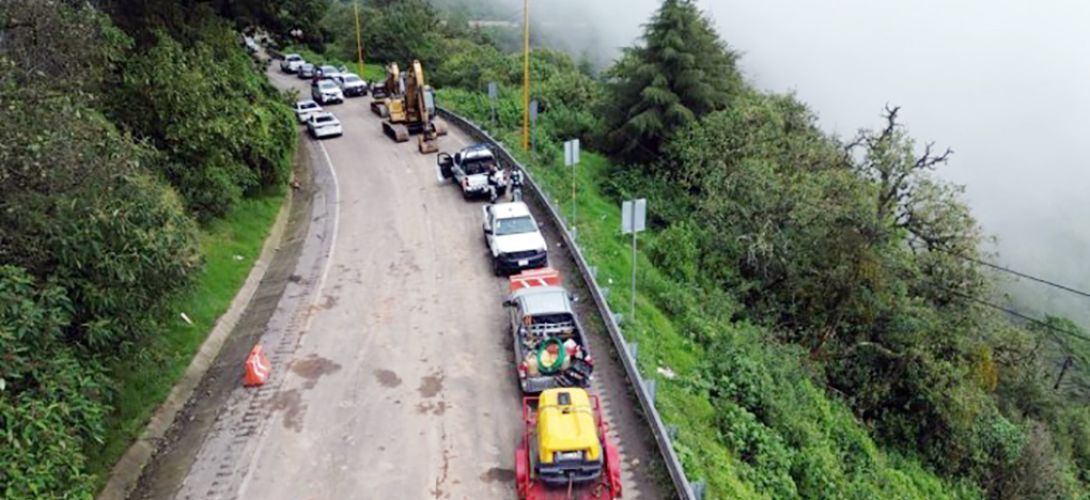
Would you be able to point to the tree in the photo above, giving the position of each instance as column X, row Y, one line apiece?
column 681, row 72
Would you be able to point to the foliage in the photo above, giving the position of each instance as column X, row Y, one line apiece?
column 222, row 130
column 680, row 73
column 94, row 245
column 50, row 402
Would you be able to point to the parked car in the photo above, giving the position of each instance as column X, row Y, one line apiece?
column 291, row 63
column 306, row 70
column 326, row 91
column 250, row 44
column 324, row 124
column 513, row 238
column 352, row 85
column 305, row 109
column 327, row 71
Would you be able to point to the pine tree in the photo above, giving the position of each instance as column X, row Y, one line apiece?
column 680, row 72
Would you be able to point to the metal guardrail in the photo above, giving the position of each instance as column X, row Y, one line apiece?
column 644, row 389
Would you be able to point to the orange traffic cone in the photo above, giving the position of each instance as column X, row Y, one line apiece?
column 258, row 368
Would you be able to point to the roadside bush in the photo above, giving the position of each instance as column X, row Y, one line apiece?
column 49, row 401
column 223, row 131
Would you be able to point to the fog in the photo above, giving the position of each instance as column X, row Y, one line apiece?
column 1006, row 84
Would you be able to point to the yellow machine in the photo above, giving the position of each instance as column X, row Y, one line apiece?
column 566, row 427
column 388, row 94
column 414, row 112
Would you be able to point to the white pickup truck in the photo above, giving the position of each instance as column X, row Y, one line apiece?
column 469, row 169
column 513, row 238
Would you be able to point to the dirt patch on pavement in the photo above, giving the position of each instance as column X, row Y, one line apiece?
column 313, row 368
column 431, row 385
column 291, row 404
column 498, row 474
column 387, row 378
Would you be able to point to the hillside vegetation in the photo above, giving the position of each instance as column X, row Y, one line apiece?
column 816, row 297
column 142, row 160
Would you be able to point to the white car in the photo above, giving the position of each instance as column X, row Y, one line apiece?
column 513, row 238
column 324, row 124
column 326, row 91
column 305, row 109
column 351, row 85
column 291, row 63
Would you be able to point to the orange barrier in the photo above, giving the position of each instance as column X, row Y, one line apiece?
column 545, row 276
column 258, row 368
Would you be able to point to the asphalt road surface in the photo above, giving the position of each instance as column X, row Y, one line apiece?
column 393, row 373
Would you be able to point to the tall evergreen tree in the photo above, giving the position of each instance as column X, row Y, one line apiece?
column 680, row 72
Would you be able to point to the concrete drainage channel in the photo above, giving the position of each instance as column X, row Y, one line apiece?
column 643, row 390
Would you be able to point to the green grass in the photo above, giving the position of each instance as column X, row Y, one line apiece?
column 230, row 246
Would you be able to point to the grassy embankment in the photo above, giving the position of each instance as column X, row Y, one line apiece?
column 666, row 314
column 230, row 247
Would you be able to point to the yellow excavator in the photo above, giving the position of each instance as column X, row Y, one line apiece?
column 414, row 113
column 386, row 94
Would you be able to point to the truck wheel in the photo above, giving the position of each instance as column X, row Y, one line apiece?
column 496, row 268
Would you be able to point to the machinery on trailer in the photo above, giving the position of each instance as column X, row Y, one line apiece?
column 549, row 342
column 414, row 112
column 565, row 451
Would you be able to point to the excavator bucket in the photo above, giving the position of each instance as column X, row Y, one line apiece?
column 427, row 146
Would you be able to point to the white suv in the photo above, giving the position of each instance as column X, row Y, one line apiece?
column 326, row 91
column 291, row 63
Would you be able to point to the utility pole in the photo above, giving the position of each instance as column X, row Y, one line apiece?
column 359, row 38
column 525, row 75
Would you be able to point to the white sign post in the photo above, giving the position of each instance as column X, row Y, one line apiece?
column 493, row 92
column 571, row 159
column 633, row 220
column 533, row 126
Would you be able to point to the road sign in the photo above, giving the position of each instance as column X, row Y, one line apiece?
column 571, row 159
column 633, row 220
column 493, row 92
column 633, row 215
column 571, row 152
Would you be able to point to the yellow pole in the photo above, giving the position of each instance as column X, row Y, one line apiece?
column 525, row 75
column 359, row 39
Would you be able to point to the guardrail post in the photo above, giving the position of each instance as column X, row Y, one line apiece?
column 696, row 489
column 618, row 318
column 594, row 272
column 649, row 385
column 634, row 349
column 671, row 430
column 605, row 292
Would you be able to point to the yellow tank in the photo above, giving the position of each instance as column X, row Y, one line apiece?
column 565, row 424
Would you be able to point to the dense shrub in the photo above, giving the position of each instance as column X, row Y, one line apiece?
column 50, row 402
column 222, row 130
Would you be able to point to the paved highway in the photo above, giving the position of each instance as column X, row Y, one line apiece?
column 393, row 373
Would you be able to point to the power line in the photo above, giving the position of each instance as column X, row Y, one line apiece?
column 1020, row 315
column 1022, row 275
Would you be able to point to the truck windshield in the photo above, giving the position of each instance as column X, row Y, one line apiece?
column 515, row 225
